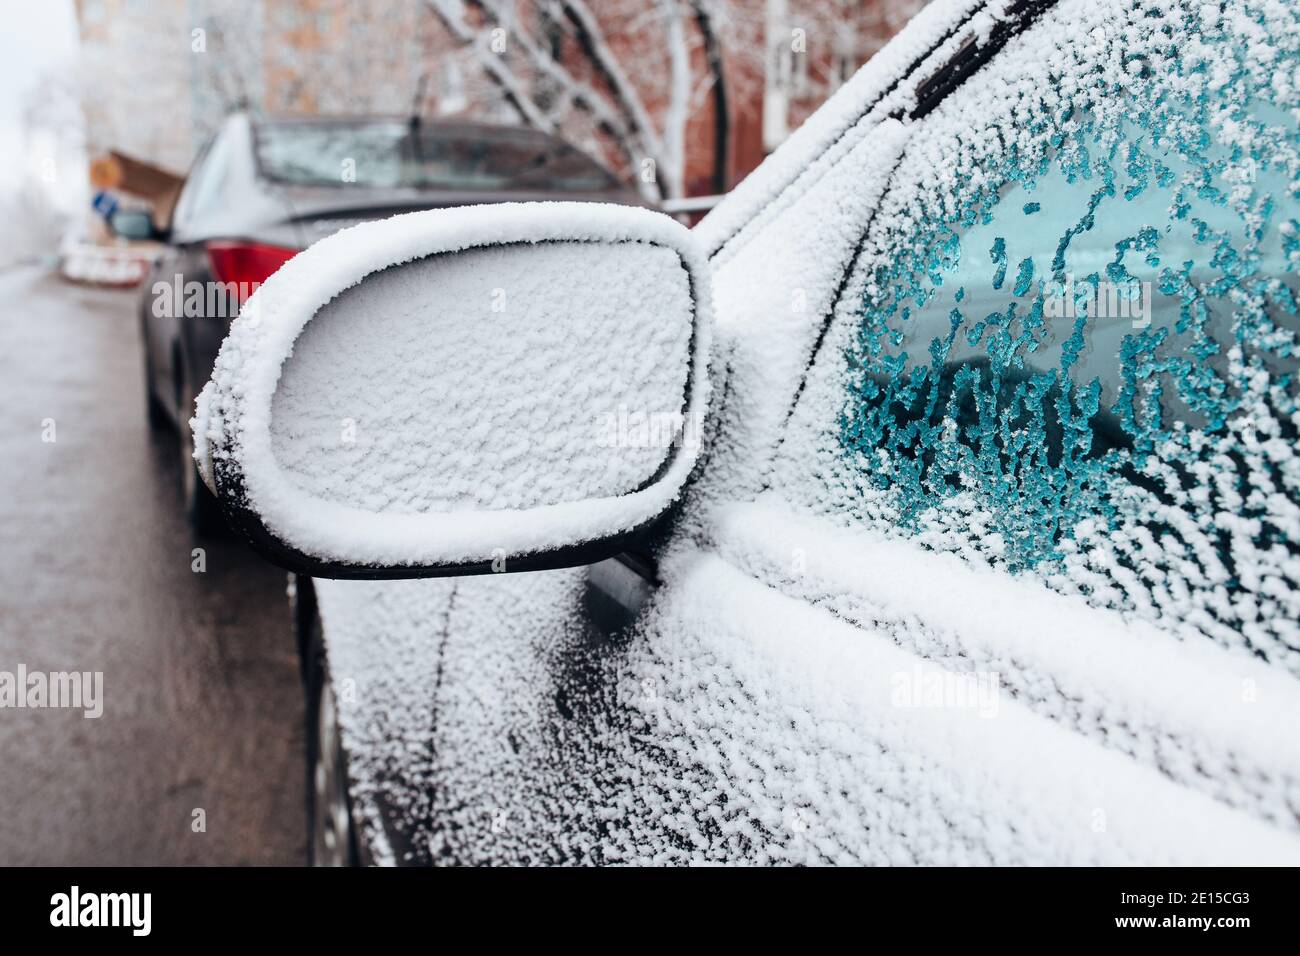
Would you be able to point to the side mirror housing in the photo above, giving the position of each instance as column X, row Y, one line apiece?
column 509, row 387
column 134, row 224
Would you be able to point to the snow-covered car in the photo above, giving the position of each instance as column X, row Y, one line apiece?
column 933, row 501
column 264, row 188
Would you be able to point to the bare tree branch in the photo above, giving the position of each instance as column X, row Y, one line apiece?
column 579, row 94
column 452, row 15
column 592, row 40
column 721, row 107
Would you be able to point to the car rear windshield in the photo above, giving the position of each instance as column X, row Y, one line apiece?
column 390, row 154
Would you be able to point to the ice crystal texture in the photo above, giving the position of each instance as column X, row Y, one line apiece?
column 1076, row 351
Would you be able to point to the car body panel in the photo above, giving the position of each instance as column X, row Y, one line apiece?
column 757, row 703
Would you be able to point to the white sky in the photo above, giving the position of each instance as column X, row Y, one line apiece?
column 39, row 36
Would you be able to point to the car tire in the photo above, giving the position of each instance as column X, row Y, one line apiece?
column 331, row 835
column 202, row 510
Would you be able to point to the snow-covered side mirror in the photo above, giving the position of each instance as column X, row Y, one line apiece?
column 507, row 387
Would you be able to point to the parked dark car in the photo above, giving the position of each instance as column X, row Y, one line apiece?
column 263, row 189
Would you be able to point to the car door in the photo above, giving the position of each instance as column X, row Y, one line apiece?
column 1020, row 570
column 961, row 580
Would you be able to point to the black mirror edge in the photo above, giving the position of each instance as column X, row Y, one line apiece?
column 249, row 527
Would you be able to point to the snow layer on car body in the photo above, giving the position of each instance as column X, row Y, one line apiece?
column 736, row 722
column 1206, row 716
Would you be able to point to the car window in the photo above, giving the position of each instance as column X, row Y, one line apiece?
column 205, row 183
column 1072, row 339
column 389, row 154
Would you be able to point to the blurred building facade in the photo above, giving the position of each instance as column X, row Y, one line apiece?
column 159, row 75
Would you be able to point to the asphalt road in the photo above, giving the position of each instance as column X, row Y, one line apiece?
column 202, row 705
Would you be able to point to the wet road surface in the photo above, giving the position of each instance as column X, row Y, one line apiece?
column 202, row 705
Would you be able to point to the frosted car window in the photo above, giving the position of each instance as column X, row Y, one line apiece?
column 1077, row 340
column 205, row 185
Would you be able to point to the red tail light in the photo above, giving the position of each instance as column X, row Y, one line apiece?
column 246, row 261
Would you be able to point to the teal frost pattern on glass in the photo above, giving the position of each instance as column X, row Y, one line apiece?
column 1046, row 409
